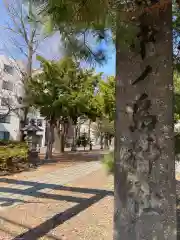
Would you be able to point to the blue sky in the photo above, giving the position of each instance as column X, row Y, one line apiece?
column 109, row 67
column 49, row 48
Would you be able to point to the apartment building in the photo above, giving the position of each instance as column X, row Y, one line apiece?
column 11, row 95
column 11, row 91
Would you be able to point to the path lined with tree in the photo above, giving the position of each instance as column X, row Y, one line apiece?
column 141, row 31
column 144, row 148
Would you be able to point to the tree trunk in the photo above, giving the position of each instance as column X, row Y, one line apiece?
column 73, row 147
column 110, row 141
column 145, row 197
column 106, row 141
column 28, row 75
column 56, row 139
column 89, row 135
column 66, row 129
column 78, row 127
column 50, row 140
column 101, row 140
column 62, row 139
column 23, row 124
column 59, row 139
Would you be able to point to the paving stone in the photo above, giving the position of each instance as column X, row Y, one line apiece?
column 25, row 191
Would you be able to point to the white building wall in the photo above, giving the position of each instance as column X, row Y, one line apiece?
column 13, row 79
column 12, row 128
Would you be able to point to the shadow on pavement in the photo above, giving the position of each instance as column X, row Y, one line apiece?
column 58, row 219
column 69, row 157
column 6, row 202
column 13, row 235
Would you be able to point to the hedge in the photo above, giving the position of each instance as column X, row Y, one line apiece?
column 12, row 155
column 108, row 162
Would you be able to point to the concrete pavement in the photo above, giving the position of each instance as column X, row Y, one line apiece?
column 20, row 191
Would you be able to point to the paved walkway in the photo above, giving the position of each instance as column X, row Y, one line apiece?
column 71, row 203
column 57, row 205
column 19, row 191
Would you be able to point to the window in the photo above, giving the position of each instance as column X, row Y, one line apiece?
column 6, row 119
column 4, row 135
column 5, row 101
column 7, row 85
column 8, row 69
column 39, row 122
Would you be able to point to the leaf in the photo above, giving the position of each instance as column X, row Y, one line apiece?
column 64, row 89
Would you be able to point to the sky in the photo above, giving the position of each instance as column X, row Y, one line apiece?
column 50, row 48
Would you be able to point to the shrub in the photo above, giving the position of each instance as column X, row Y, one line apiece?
column 108, row 162
column 12, row 153
column 11, row 144
column 8, row 142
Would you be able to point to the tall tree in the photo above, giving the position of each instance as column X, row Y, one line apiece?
column 93, row 105
column 24, row 34
column 144, row 148
column 106, row 99
column 107, row 93
column 62, row 91
column 103, row 129
column 47, row 95
column 80, row 100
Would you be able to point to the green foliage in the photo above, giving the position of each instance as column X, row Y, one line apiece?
column 107, row 97
column 12, row 144
column 108, row 162
column 176, row 117
column 12, row 153
column 103, row 126
column 106, row 102
column 107, row 127
column 64, row 90
column 77, row 21
column 177, row 106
